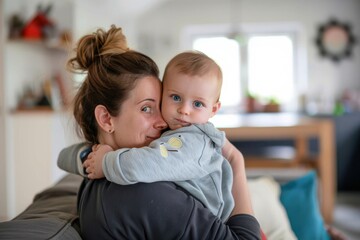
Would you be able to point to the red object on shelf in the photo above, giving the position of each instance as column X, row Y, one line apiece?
column 34, row 28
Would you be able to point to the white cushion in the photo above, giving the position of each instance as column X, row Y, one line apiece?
column 268, row 210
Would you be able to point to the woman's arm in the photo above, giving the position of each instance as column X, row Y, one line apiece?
column 70, row 160
column 240, row 189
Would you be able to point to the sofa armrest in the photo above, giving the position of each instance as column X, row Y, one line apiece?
column 52, row 215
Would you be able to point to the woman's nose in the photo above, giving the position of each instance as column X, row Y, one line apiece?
column 160, row 124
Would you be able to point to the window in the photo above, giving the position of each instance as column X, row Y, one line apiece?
column 260, row 64
column 226, row 53
column 270, row 68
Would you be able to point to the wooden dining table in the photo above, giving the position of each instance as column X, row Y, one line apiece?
column 297, row 128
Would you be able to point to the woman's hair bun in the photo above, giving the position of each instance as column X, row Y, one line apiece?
column 97, row 45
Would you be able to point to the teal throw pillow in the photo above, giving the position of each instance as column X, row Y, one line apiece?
column 300, row 200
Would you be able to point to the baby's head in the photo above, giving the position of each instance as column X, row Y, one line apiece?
column 191, row 89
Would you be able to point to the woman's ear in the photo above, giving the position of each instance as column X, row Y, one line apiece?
column 103, row 118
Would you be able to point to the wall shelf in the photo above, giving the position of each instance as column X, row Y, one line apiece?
column 48, row 44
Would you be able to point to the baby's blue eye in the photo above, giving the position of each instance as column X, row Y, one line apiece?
column 176, row 98
column 198, row 104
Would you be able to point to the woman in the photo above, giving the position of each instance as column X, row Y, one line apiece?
column 119, row 104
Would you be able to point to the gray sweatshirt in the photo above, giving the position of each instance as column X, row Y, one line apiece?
column 189, row 156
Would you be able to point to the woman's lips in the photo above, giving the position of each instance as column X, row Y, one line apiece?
column 153, row 138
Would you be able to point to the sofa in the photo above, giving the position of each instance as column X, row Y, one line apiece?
column 52, row 215
column 286, row 209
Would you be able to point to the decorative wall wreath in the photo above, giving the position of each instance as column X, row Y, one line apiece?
column 335, row 40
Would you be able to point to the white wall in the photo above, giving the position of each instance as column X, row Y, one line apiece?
column 3, row 165
column 162, row 27
column 91, row 15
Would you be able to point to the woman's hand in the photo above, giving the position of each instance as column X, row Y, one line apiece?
column 93, row 163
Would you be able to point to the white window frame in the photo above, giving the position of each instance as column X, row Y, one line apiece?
column 293, row 30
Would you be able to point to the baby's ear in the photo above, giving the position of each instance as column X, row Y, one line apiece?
column 216, row 107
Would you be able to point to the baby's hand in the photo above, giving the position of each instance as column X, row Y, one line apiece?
column 93, row 163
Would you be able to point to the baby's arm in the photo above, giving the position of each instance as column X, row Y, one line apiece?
column 169, row 158
column 240, row 189
column 93, row 163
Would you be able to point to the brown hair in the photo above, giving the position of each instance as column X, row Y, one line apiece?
column 193, row 63
column 112, row 71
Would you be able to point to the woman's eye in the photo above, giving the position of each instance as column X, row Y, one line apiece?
column 176, row 98
column 198, row 104
column 146, row 109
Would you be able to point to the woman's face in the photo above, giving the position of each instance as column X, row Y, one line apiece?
column 140, row 121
